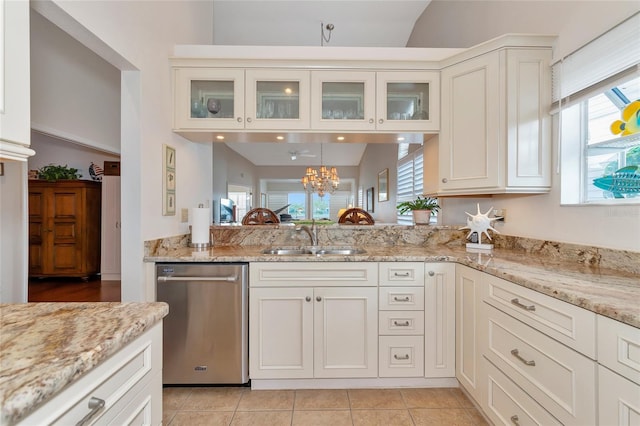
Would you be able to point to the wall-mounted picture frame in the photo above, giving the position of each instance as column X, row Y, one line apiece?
column 369, row 200
column 383, row 185
column 168, row 180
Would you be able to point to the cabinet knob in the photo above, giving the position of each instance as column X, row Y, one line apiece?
column 319, row 299
column 381, row 121
column 308, row 298
column 239, row 119
column 431, row 273
column 249, row 120
column 445, row 180
column 371, row 121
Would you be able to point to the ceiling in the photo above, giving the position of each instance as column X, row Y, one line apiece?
column 357, row 23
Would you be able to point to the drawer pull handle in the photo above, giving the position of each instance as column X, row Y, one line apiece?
column 398, row 274
column 515, row 353
column 515, row 420
column 401, row 358
column 522, row 306
column 95, row 405
column 401, row 299
column 401, row 324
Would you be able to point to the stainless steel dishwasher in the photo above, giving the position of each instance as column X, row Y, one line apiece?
column 205, row 338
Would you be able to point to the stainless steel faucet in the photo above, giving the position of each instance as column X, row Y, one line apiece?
column 311, row 231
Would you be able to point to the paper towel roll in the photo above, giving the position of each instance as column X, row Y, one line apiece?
column 200, row 226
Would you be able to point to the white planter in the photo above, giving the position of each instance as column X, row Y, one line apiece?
column 421, row 217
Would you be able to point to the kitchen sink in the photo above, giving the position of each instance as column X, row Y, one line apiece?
column 316, row 251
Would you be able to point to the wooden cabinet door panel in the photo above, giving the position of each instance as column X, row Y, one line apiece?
column 64, row 228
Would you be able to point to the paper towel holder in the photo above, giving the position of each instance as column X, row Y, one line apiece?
column 199, row 246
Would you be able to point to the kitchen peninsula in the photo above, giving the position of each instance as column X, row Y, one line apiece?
column 57, row 356
column 533, row 329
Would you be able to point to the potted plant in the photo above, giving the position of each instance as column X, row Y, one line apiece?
column 53, row 173
column 422, row 208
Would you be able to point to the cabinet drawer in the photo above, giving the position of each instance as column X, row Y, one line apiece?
column 508, row 404
column 117, row 381
column 560, row 379
column 619, row 399
column 619, row 347
column 312, row 274
column 569, row 324
column 401, row 298
column 401, row 323
column 401, row 356
column 402, row 273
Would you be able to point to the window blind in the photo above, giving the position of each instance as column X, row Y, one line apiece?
column 614, row 53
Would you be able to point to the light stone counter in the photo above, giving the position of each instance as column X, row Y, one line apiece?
column 614, row 293
column 44, row 347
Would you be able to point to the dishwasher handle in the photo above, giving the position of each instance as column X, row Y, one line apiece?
column 228, row 279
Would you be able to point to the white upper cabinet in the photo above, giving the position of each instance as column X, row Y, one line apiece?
column 207, row 98
column 495, row 134
column 408, row 101
column 277, row 99
column 235, row 99
column 343, row 100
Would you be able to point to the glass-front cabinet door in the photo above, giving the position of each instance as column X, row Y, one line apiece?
column 343, row 100
column 408, row 100
column 209, row 98
column 277, row 99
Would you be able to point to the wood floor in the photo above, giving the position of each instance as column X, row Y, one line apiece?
column 73, row 290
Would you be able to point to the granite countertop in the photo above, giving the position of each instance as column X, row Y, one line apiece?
column 46, row 346
column 609, row 292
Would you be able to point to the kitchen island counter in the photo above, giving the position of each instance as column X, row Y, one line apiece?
column 45, row 347
column 609, row 292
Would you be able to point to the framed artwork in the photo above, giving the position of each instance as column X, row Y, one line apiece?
column 383, row 185
column 369, row 200
column 168, row 180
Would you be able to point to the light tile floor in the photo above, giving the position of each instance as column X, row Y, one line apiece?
column 199, row 406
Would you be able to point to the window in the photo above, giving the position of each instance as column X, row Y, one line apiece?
column 410, row 171
column 597, row 91
column 303, row 205
column 607, row 148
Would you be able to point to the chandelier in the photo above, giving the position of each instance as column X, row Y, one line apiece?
column 321, row 181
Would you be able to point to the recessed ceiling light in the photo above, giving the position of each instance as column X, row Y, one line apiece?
column 280, row 138
column 220, row 137
column 340, row 138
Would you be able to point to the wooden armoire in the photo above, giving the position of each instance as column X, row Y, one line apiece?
column 64, row 228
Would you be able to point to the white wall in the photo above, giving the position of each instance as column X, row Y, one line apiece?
column 50, row 150
column 375, row 159
column 75, row 94
column 138, row 38
column 465, row 23
column 536, row 216
column 14, row 140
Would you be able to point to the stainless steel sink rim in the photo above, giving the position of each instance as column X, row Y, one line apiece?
column 313, row 251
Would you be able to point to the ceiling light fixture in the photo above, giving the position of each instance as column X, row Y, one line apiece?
column 322, row 181
column 325, row 39
column 340, row 138
column 220, row 137
column 280, row 138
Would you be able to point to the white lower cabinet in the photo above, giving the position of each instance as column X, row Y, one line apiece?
column 440, row 320
column 619, row 399
column 312, row 332
column 618, row 373
column 401, row 319
column 468, row 325
column 508, row 404
column 129, row 384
